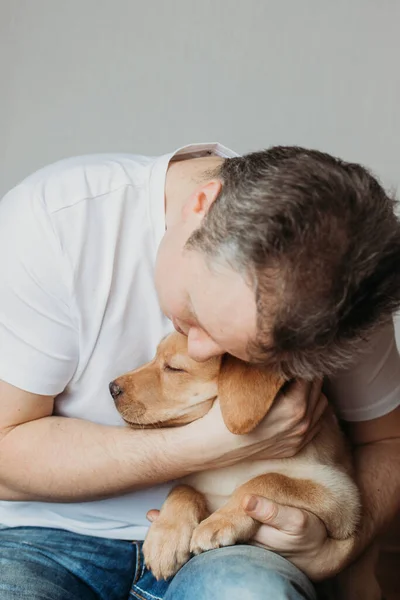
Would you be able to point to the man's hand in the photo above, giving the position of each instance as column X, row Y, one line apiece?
column 298, row 535
column 291, row 423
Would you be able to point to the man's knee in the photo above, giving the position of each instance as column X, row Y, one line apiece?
column 240, row 572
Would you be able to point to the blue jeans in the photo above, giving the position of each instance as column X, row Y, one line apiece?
column 51, row 564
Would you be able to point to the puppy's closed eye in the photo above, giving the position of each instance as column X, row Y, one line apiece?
column 172, row 369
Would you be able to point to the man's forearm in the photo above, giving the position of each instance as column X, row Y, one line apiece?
column 378, row 478
column 62, row 460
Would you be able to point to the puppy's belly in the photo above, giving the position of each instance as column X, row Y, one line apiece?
column 218, row 485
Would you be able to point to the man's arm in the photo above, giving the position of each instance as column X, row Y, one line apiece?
column 45, row 457
column 377, row 461
column 58, row 459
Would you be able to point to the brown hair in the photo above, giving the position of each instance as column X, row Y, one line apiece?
column 319, row 238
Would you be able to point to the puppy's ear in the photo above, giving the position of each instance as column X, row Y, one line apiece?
column 245, row 393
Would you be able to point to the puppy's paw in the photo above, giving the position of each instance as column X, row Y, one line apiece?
column 222, row 529
column 167, row 547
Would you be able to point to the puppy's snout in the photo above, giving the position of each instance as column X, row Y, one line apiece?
column 115, row 390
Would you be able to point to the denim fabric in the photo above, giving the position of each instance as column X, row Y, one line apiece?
column 233, row 573
column 51, row 564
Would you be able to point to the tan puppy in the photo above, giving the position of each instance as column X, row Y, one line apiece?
column 205, row 512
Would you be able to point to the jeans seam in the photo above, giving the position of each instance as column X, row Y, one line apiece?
column 137, row 595
column 138, row 566
column 146, row 596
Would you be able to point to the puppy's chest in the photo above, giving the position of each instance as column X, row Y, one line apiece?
column 218, row 485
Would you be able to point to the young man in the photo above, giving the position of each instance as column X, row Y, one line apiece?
column 285, row 256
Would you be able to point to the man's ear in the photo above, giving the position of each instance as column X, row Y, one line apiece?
column 245, row 393
column 201, row 199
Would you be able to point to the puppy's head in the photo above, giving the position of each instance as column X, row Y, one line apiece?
column 174, row 390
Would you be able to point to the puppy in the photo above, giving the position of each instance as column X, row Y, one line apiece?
column 205, row 511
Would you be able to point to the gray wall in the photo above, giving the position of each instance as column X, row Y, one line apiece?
column 81, row 76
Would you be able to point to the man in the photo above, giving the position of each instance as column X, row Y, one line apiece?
column 286, row 256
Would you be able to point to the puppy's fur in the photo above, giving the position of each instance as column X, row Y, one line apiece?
column 205, row 511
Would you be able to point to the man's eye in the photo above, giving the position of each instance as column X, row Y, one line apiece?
column 173, row 369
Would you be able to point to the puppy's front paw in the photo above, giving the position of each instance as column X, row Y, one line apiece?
column 167, row 547
column 222, row 529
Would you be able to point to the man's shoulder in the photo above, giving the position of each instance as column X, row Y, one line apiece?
column 71, row 180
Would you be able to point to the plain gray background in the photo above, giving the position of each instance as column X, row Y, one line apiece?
column 146, row 76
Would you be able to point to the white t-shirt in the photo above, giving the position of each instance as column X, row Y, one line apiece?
column 78, row 307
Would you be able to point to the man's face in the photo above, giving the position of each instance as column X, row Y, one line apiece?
column 210, row 303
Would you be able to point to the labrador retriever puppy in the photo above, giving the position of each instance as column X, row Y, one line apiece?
column 205, row 511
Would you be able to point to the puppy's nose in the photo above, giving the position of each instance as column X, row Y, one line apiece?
column 115, row 390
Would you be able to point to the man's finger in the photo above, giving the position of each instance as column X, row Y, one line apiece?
column 297, row 391
column 319, row 409
column 285, row 518
column 315, row 425
column 314, row 398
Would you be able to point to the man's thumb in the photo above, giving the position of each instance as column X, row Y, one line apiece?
column 152, row 515
column 285, row 518
column 261, row 509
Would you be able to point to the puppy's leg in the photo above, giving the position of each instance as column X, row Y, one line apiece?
column 167, row 545
column 230, row 524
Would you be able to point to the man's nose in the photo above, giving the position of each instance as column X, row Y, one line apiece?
column 115, row 389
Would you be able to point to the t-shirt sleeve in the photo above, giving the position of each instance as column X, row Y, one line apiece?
column 371, row 387
column 38, row 340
